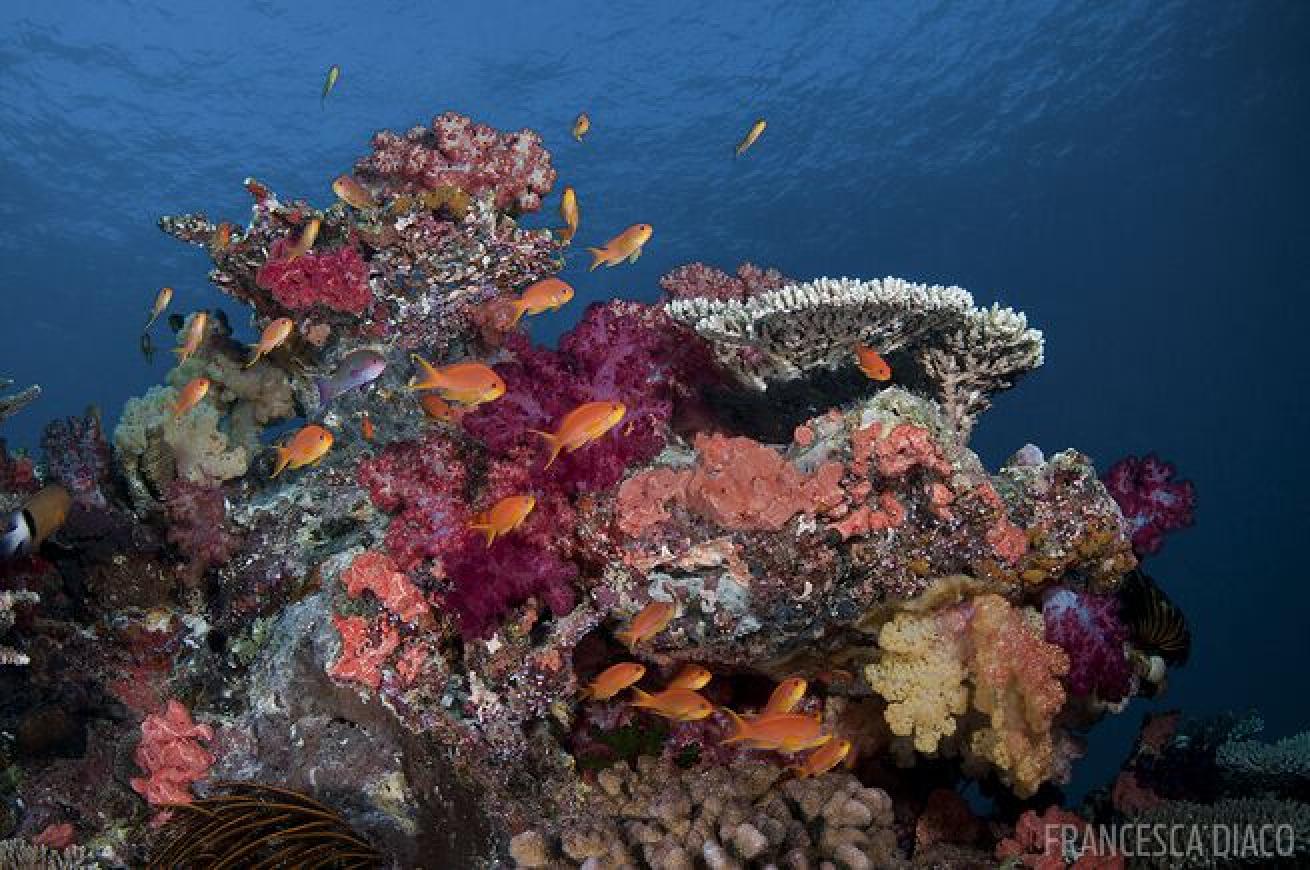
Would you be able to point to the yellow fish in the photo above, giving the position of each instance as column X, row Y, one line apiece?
column 626, row 245
column 468, row 383
column 274, row 334
column 190, row 396
column 193, row 337
column 568, row 212
column 823, row 759
column 783, row 732
column 786, row 695
column 875, row 368
column 691, row 677
column 164, row 297
column 503, row 517
column 581, row 126
column 650, row 621
column 751, row 135
column 305, row 240
column 581, row 426
column 352, row 193
column 333, row 73
column 613, row 680
column 684, row 705
column 548, row 294
column 306, row 447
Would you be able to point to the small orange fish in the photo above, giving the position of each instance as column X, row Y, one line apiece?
column 548, row 294
column 568, row 212
column 503, row 517
column 306, row 447
column 875, row 368
column 190, row 396
column 823, row 759
column 783, row 732
column 691, row 677
column 468, row 383
column 581, row 426
column 437, row 408
column 352, row 193
column 193, row 337
column 222, row 237
column 613, row 680
column 366, row 427
column 257, row 190
column 305, row 240
column 652, row 619
column 684, row 705
column 786, row 695
column 274, row 334
column 162, row 299
column 626, row 245
column 581, row 126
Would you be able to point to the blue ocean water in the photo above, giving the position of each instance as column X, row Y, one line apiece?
column 1131, row 174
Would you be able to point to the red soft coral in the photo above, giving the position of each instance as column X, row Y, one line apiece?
column 197, row 525
column 1039, row 842
column 376, row 572
column 361, row 657
column 336, row 279
column 1151, row 500
column 422, row 483
column 17, row 473
column 171, row 755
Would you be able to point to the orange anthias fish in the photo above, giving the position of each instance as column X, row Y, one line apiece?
column 437, row 408
column 366, row 427
column 468, row 383
column 274, row 334
column 691, row 677
column 684, row 705
column 581, row 426
column 162, row 299
column 626, row 245
column 568, row 212
column 613, row 680
column 306, row 447
column 581, row 126
column 823, row 759
column 652, row 619
column 193, row 337
column 352, row 193
column 549, row 294
column 875, row 368
column 503, row 517
column 190, row 396
column 222, row 237
column 786, row 695
column 783, row 732
column 305, row 240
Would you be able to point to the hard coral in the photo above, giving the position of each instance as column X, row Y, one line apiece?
column 171, row 755
column 701, row 281
column 337, row 279
column 1087, row 627
column 1151, row 500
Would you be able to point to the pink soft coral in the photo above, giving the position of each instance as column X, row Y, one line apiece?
column 422, row 483
column 1087, row 627
column 171, row 755
column 1039, row 843
column 336, row 279
column 197, row 525
column 489, row 581
column 376, row 572
column 1151, row 500
column 698, row 280
column 362, row 657
column 17, row 474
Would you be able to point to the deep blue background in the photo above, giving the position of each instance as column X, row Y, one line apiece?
column 1132, row 174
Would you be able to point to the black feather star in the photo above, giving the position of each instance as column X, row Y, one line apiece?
column 250, row 825
column 1155, row 623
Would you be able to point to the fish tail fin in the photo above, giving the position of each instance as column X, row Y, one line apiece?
column 253, row 359
column 520, row 309
column 625, row 636
column 597, row 257
column 283, row 460
column 641, row 699
column 552, row 442
column 740, row 728
column 150, row 322
column 584, row 693
column 485, row 529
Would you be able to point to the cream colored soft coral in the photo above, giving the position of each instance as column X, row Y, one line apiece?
column 921, row 675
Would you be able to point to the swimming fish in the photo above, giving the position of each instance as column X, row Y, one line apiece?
column 875, row 368
column 366, row 427
column 274, row 334
column 691, row 677
column 333, row 73
column 437, row 408
column 222, row 237
column 626, row 245
column 503, row 517
column 147, row 347
column 568, row 212
column 783, row 732
column 469, row 383
column 306, row 447
column 23, row 531
column 190, row 396
column 581, row 126
column 581, row 426
column 357, row 368
column 162, row 298
column 548, row 294
column 305, row 240
column 256, row 189
column 751, row 135
column 193, row 337
column 352, row 193
column 684, row 705
column 650, row 621
column 786, row 695
column 823, row 759
column 613, row 680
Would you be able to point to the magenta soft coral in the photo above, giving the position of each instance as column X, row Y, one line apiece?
column 487, row 582
column 422, row 483
column 171, row 755
column 197, row 524
column 698, row 280
column 1087, row 627
column 77, row 455
column 1151, row 500
column 337, row 279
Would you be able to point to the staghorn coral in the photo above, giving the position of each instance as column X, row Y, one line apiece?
column 720, row 817
column 15, row 402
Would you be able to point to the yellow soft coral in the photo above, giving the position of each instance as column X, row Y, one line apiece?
column 921, row 676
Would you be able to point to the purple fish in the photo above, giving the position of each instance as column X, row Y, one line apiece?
column 357, row 368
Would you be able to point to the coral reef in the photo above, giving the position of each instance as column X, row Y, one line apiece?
column 15, row 402
column 9, row 598
column 171, row 755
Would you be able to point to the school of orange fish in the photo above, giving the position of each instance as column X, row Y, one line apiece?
column 446, row 392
